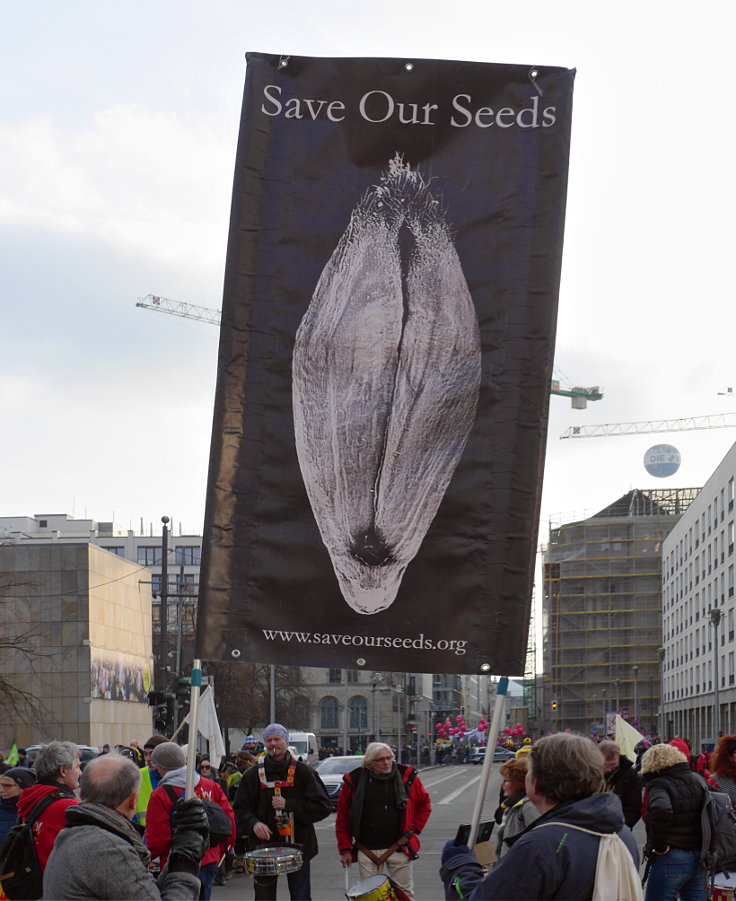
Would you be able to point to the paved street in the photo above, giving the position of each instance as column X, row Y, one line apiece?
column 452, row 789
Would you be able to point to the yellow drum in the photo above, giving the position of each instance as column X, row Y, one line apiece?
column 374, row 888
column 724, row 888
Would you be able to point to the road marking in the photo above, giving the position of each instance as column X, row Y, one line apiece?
column 443, row 779
column 459, row 791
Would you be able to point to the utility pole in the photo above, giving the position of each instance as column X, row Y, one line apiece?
column 163, row 609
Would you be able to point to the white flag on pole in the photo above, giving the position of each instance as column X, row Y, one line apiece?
column 627, row 738
column 209, row 727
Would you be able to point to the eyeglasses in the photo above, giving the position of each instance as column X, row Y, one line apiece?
column 382, row 759
column 205, row 767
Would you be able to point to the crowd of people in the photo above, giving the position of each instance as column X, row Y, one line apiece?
column 559, row 799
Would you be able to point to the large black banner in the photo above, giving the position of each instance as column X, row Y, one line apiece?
column 387, row 339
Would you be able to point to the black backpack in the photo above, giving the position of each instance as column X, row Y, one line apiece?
column 20, row 873
column 219, row 822
column 718, row 823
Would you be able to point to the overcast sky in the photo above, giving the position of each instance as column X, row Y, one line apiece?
column 118, row 128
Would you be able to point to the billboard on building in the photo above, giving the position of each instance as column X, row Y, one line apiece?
column 385, row 357
column 119, row 677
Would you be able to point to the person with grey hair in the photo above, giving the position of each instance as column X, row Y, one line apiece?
column 556, row 856
column 381, row 810
column 57, row 776
column 100, row 855
column 623, row 780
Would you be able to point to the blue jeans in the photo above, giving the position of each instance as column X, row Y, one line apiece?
column 677, row 871
column 207, row 877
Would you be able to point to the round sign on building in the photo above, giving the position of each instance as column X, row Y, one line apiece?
column 662, row 460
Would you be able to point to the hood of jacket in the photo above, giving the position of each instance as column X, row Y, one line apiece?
column 29, row 797
column 600, row 813
column 178, row 778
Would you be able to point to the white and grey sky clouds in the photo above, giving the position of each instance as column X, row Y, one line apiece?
column 118, row 127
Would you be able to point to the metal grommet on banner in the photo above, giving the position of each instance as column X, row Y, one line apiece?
column 533, row 75
column 235, row 653
column 360, row 661
column 485, row 667
column 283, row 62
column 409, row 67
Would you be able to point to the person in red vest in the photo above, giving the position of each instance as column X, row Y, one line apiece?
column 381, row 809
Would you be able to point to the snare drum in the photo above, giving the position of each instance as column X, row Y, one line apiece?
column 374, row 888
column 273, row 861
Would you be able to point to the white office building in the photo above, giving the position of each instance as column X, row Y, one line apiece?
column 697, row 653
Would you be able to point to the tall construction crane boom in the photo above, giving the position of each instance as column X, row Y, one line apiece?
column 717, row 421
column 179, row 308
column 579, row 396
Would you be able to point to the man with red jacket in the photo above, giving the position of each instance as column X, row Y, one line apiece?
column 169, row 760
column 57, row 771
column 381, row 810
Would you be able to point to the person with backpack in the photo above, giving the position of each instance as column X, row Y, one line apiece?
column 100, row 855
column 12, row 782
column 578, row 849
column 169, row 760
column 57, row 771
column 381, row 809
column 675, row 797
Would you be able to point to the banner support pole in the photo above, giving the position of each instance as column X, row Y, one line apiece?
column 493, row 729
column 193, row 710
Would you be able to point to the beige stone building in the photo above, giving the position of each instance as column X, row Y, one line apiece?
column 86, row 615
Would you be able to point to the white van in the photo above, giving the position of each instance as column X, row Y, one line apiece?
column 306, row 746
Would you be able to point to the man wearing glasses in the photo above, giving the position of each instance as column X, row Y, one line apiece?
column 381, row 810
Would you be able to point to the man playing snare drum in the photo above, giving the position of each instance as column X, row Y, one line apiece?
column 381, row 810
column 276, row 804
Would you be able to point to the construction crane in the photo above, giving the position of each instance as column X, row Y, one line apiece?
column 650, row 426
column 579, row 396
column 179, row 308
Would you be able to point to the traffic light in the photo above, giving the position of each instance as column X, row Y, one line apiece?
column 554, row 705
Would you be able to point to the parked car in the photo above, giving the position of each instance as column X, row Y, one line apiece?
column 86, row 752
column 500, row 755
column 332, row 769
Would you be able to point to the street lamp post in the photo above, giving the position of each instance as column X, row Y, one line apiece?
column 376, row 680
column 605, row 718
column 164, row 608
column 617, row 684
column 660, row 719
column 715, row 618
column 635, row 671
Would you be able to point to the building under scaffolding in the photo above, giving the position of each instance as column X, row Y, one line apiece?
column 602, row 612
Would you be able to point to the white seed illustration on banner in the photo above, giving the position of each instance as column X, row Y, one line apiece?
column 385, row 376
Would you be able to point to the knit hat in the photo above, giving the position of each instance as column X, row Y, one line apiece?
column 276, row 729
column 168, row 755
column 155, row 740
column 21, row 775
